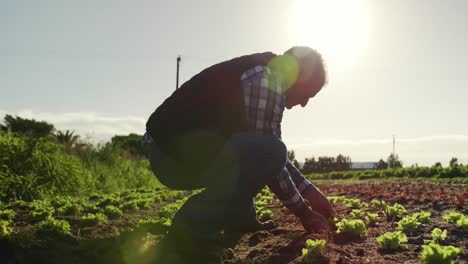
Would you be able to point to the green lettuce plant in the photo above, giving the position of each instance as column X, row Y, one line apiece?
column 357, row 213
column 436, row 254
column 463, row 222
column 423, row 217
column 452, row 217
column 395, row 210
column 438, row 235
column 392, row 240
column 113, row 212
column 7, row 214
column 372, row 218
column 355, row 227
column 51, row 226
column 70, row 208
column 265, row 214
column 408, row 224
column 5, row 229
column 313, row 250
column 378, row 204
column 93, row 219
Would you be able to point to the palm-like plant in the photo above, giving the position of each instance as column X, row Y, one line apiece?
column 68, row 139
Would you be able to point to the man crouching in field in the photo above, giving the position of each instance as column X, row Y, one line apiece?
column 222, row 131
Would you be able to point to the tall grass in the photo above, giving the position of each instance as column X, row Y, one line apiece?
column 33, row 168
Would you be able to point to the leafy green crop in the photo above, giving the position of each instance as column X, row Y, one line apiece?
column 313, row 250
column 357, row 213
column 438, row 235
column 423, row 217
column 41, row 213
column 355, row 227
column 372, row 218
column 265, row 214
column 7, row 214
column 354, row 203
column 70, row 208
column 378, row 204
column 93, row 219
column 452, row 217
column 392, row 240
column 51, row 226
column 437, row 254
column 463, row 222
column 113, row 212
column 395, row 210
column 5, row 228
column 408, row 224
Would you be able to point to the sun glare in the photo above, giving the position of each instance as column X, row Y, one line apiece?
column 336, row 28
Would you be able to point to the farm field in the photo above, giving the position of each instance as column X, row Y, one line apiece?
column 125, row 227
column 285, row 243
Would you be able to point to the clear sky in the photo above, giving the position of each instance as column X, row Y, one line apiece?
column 101, row 67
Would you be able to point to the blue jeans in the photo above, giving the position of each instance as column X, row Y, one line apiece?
column 246, row 164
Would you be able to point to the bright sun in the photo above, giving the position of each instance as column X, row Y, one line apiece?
column 336, row 28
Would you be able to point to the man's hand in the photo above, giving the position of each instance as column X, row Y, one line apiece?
column 320, row 203
column 314, row 222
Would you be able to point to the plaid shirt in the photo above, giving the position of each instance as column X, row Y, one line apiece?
column 264, row 105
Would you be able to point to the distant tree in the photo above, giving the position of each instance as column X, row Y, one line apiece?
column 310, row 166
column 131, row 144
column 292, row 158
column 438, row 164
column 27, row 127
column 67, row 138
column 381, row 165
column 342, row 163
column 394, row 161
column 453, row 162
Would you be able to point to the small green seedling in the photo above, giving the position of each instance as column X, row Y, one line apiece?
column 93, row 219
column 438, row 235
column 435, row 254
column 353, row 227
column 313, row 250
column 372, row 218
column 7, row 214
column 408, row 224
column 70, row 208
column 378, row 204
column 423, row 217
column 395, row 210
column 357, row 213
column 463, row 222
column 265, row 215
column 5, row 229
column 452, row 217
column 392, row 240
column 113, row 212
column 52, row 226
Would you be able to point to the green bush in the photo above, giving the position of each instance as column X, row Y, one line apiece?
column 437, row 254
column 391, row 240
column 313, row 250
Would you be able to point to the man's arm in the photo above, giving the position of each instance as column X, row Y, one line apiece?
column 317, row 200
